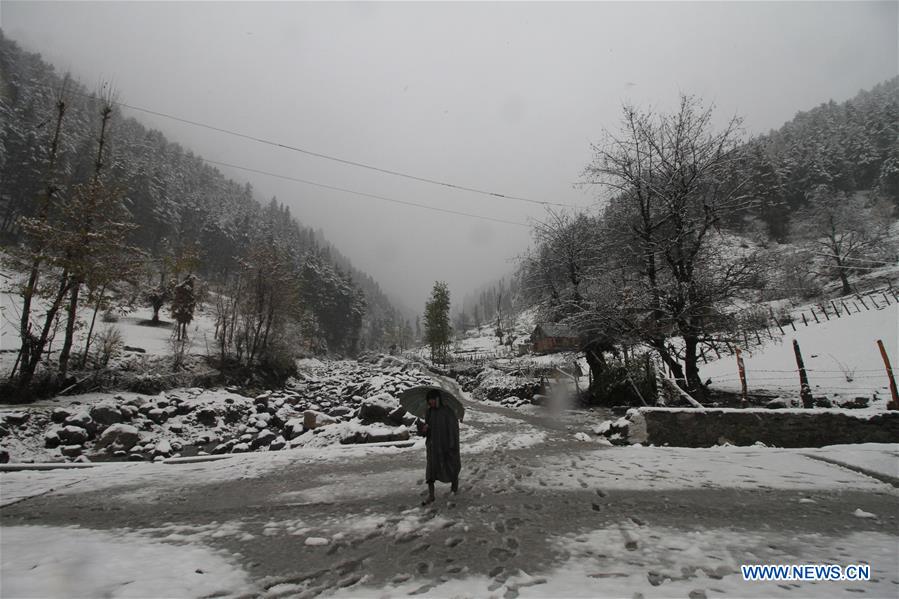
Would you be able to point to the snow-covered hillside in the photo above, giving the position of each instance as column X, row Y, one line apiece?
column 841, row 357
column 134, row 327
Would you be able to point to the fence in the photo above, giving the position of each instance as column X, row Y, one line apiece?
column 776, row 329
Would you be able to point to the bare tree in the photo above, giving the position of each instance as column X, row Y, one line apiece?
column 672, row 176
column 849, row 231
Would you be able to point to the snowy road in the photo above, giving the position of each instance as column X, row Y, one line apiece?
column 540, row 514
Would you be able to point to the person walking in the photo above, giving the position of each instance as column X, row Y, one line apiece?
column 441, row 429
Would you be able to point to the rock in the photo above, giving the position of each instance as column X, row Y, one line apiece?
column 163, row 448
column 206, row 416
column 293, row 428
column 278, row 444
column 858, row 402
column 72, row 435
column 375, row 437
column 263, row 439
column 158, row 415
column 82, row 419
column 539, row 400
column 397, row 416
column 71, row 451
column 82, row 459
column 129, row 412
column 777, row 404
column 106, row 414
column 603, row 428
column 224, row 447
column 51, row 437
column 315, row 541
column 136, row 456
column 378, row 408
column 313, row 419
column 15, row 418
column 60, row 415
column 823, row 402
column 340, row 411
column 4, row 432
column 240, row 448
column 119, row 437
column 4, row 455
column 495, row 387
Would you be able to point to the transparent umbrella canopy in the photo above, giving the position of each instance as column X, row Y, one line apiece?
column 414, row 401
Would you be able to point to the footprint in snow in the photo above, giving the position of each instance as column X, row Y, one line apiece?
column 500, row 553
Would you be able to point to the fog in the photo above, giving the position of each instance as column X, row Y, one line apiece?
column 501, row 97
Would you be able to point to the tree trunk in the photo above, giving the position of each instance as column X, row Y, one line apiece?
column 72, row 317
column 691, row 364
column 677, row 370
column 90, row 331
column 37, row 344
column 847, row 289
column 597, row 366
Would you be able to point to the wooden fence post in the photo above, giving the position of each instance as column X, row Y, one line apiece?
column 804, row 321
column 885, row 298
column 805, row 391
column 894, row 403
column 823, row 309
column 862, row 300
column 743, row 400
column 835, row 309
column 874, row 301
column 815, row 315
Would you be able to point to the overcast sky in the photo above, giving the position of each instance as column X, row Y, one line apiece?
column 504, row 97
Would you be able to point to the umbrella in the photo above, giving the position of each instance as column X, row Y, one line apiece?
column 413, row 401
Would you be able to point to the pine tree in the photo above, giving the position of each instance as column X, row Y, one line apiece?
column 437, row 324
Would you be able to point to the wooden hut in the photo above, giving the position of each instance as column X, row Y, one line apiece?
column 550, row 338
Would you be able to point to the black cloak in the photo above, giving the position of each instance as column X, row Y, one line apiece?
column 442, row 444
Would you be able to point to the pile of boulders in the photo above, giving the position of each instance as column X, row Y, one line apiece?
column 361, row 396
column 495, row 385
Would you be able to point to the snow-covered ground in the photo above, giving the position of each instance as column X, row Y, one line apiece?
column 841, row 358
column 627, row 557
column 155, row 340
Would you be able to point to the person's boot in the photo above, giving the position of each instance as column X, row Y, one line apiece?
column 455, row 486
column 430, row 498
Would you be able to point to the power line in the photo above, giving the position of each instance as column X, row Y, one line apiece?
column 362, row 193
column 334, row 158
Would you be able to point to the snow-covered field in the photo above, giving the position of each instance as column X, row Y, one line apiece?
column 154, row 340
column 841, row 358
